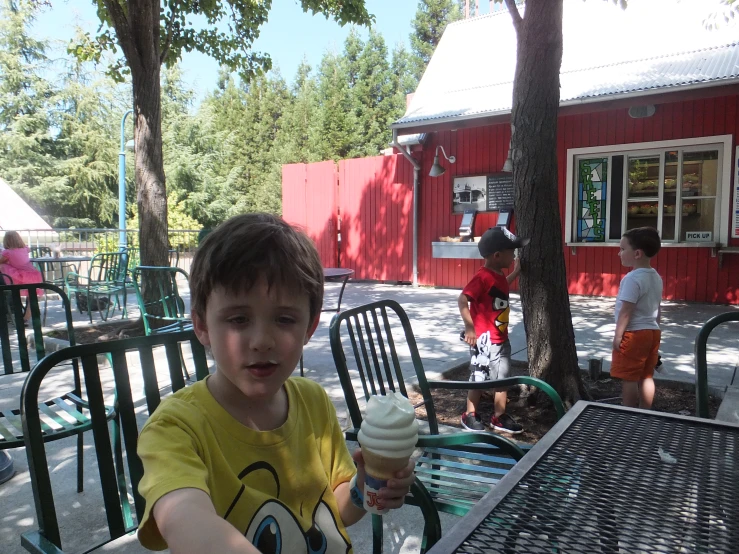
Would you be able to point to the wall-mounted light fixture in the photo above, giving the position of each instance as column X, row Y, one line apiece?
column 508, row 165
column 638, row 112
column 436, row 169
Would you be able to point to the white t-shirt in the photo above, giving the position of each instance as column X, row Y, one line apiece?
column 643, row 287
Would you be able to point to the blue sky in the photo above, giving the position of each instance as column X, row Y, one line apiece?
column 288, row 36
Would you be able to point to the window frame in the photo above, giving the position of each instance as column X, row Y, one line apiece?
column 722, row 143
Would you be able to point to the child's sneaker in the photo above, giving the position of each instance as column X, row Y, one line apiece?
column 472, row 422
column 505, row 423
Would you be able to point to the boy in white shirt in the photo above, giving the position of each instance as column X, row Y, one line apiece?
column 636, row 343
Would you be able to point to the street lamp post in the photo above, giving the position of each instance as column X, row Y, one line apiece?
column 122, row 243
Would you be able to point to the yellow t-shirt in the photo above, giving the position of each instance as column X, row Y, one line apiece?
column 276, row 487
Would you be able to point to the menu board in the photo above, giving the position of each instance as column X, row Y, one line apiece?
column 483, row 193
column 499, row 192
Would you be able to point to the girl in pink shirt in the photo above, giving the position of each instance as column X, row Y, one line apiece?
column 15, row 263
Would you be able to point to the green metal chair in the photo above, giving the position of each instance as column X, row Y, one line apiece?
column 167, row 313
column 48, row 270
column 39, row 251
column 66, row 414
column 701, row 362
column 134, row 256
column 118, row 486
column 457, row 469
column 105, row 279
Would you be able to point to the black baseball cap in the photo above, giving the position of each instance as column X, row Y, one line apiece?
column 496, row 239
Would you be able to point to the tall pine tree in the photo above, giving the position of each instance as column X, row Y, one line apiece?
column 26, row 100
column 432, row 17
column 298, row 132
column 335, row 121
column 372, row 96
column 82, row 188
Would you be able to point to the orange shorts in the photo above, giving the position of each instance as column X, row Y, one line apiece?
column 636, row 357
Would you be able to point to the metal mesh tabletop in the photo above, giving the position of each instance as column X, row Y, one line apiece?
column 621, row 481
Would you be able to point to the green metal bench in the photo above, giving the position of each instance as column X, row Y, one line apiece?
column 66, row 414
column 117, row 485
column 105, row 279
column 457, row 469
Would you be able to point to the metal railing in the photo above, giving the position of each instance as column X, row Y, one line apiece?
column 88, row 242
column 701, row 364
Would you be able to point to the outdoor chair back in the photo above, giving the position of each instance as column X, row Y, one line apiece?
column 65, row 414
column 701, row 360
column 49, row 271
column 375, row 351
column 166, row 312
column 105, row 279
column 39, row 251
column 134, row 256
column 139, row 391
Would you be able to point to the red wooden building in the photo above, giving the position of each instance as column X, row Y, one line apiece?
column 647, row 135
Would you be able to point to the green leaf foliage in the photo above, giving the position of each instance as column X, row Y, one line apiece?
column 225, row 31
column 223, row 157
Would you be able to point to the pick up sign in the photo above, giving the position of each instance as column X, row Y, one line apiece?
column 698, row 236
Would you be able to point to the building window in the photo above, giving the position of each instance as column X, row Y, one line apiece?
column 592, row 189
column 675, row 190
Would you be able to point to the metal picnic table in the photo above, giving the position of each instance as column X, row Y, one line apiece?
column 333, row 275
column 609, row 479
column 45, row 264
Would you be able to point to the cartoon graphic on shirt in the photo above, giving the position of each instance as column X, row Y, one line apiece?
column 274, row 529
column 481, row 354
column 501, row 308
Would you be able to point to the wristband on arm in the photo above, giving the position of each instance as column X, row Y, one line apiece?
column 355, row 494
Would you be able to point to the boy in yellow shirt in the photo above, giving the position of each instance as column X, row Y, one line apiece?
column 252, row 459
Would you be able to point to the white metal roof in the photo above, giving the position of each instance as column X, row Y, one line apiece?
column 15, row 214
column 653, row 45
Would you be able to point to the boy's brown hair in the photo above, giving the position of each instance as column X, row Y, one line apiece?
column 249, row 246
column 12, row 239
column 645, row 239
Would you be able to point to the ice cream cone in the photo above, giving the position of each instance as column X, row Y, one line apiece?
column 381, row 467
column 388, row 436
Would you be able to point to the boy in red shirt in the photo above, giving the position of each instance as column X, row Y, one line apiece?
column 484, row 307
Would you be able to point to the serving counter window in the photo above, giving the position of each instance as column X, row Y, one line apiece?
column 682, row 190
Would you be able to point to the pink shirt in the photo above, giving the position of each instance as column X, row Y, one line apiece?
column 18, row 258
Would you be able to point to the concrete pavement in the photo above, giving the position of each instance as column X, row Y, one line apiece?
column 436, row 324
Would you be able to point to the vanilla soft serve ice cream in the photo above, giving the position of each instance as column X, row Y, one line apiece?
column 388, row 436
column 389, row 428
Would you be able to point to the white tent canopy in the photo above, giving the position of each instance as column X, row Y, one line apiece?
column 15, row 214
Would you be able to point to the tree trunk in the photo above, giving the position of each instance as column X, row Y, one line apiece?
column 137, row 29
column 150, row 181
column 543, row 285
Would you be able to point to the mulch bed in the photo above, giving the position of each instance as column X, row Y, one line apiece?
column 449, row 404
column 102, row 332
column 538, row 419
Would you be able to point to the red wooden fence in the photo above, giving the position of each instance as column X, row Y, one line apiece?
column 376, row 200
column 310, row 200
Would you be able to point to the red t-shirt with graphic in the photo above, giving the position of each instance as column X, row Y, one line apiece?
column 488, row 295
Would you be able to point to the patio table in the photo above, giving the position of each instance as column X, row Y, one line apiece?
column 334, row 275
column 617, row 480
column 44, row 260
